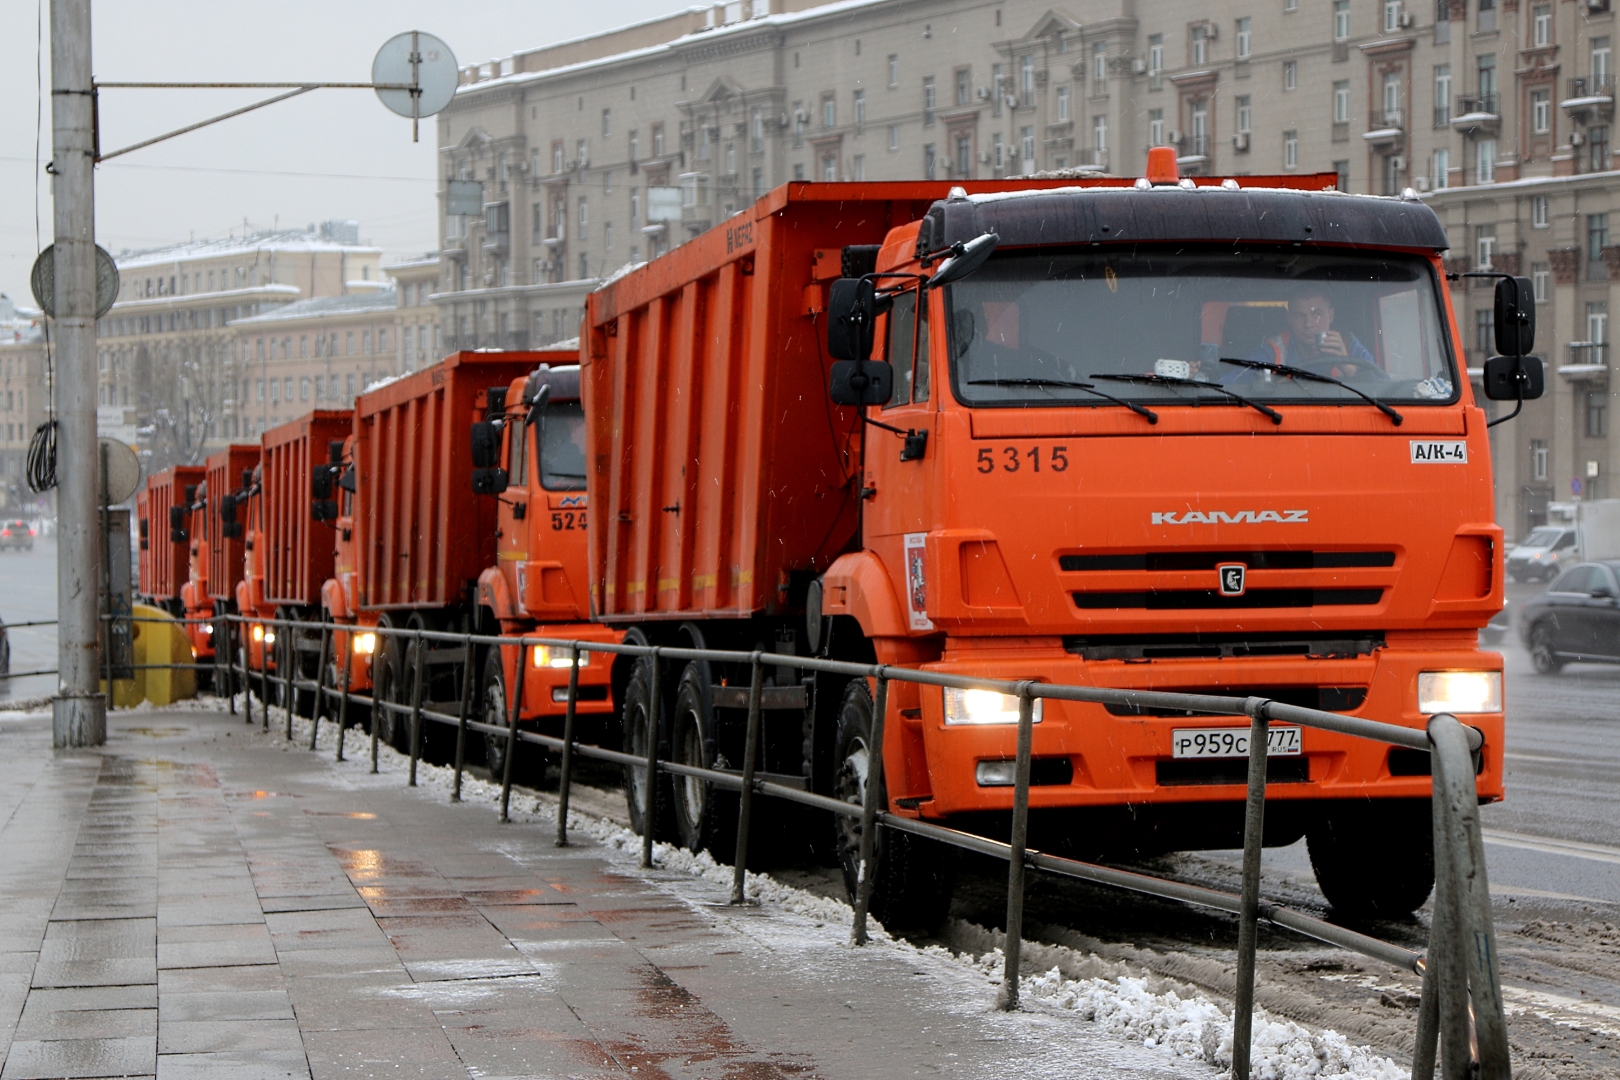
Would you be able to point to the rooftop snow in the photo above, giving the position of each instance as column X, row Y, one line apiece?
column 359, row 304
column 301, row 241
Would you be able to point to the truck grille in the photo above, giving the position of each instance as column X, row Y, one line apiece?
column 1208, row 560
column 1224, row 646
column 1204, row 599
column 1328, row 698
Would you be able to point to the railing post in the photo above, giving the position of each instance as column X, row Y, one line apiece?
column 320, row 689
column 416, row 706
column 566, row 781
column 649, row 814
column 284, row 638
column 511, row 730
column 745, row 804
column 264, row 671
column 223, row 630
column 1472, row 965
column 1254, row 824
column 461, row 718
column 867, row 872
column 343, row 701
column 1013, row 947
column 378, row 706
column 1428, row 1023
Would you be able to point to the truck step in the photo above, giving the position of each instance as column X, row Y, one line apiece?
column 770, row 697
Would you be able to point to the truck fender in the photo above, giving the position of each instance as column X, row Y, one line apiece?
column 857, row 585
column 334, row 600
column 494, row 594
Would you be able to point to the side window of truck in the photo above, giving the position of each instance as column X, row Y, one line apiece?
column 516, row 456
column 910, row 378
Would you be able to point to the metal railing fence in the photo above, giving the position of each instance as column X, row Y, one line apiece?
column 1460, row 1010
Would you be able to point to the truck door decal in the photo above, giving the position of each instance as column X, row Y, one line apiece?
column 916, row 549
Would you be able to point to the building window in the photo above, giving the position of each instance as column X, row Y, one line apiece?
column 303, row 388
column 658, row 140
column 1599, row 66
column 1442, row 168
column 1538, row 459
column 1200, row 128
column 1099, row 135
column 829, row 111
column 1341, row 20
column 1290, row 149
column 857, row 169
column 1485, row 331
column 964, row 156
column 1245, row 38
column 829, row 167
column 1026, row 139
column 894, row 136
column 1392, row 98
column 1155, row 127
column 1484, row 246
column 1392, row 16
column 1538, row 211
column 1155, row 61
column 635, row 144
column 894, row 70
column 1541, row 111
column 1063, row 104
column 1597, row 238
column 929, row 101
column 1485, row 70
column 1245, row 114
column 1026, row 78
column 1290, row 75
column 1200, row 46
column 1485, row 161
column 859, row 109
column 1541, row 25
column 1540, row 280
column 1442, row 95
column 1099, row 65
column 928, row 161
column 1597, row 322
column 1341, row 101
column 1596, row 403
column 1597, row 144
column 1487, row 16
column 584, row 220
column 998, row 153
column 964, row 86
column 607, row 122
column 1342, row 168
column 1290, row 5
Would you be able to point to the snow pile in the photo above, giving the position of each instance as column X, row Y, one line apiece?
column 1179, row 1022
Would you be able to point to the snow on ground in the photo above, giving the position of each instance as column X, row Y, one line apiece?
column 1174, row 1018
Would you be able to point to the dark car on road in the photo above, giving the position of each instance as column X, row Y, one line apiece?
column 1577, row 617
column 17, row 535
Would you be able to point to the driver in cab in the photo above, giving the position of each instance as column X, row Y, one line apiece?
column 1310, row 340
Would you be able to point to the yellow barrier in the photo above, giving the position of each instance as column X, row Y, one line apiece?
column 158, row 639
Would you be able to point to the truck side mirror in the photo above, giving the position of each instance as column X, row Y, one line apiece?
column 229, row 527
column 177, row 525
column 486, row 445
column 320, row 482
column 1514, row 378
column 851, row 315
column 964, row 259
column 856, row 382
column 145, row 529
column 1515, row 316
column 489, row 481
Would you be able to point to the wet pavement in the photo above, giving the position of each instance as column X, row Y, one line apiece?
column 201, row 899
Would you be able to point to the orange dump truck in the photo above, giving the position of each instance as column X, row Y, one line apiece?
column 216, row 545
column 419, row 548
column 162, row 512
column 1206, row 436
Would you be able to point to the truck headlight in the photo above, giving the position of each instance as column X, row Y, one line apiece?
column 560, row 657
column 365, row 644
column 983, row 707
column 1459, row 692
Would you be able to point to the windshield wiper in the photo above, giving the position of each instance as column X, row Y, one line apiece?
column 1152, row 417
column 1316, row 376
column 1171, row 380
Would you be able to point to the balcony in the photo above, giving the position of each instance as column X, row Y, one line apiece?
column 1590, row 96
column 1477, row 114
column 1386, row 128
column 1587, row 361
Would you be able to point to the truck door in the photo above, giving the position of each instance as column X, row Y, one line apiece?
column 902, row 504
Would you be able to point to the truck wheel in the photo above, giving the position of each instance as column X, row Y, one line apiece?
column 384, row 692
column 915, row 877
column 702, row 819
column 1374, row 859
column 1542, row 654
column 493, row 711
column 638, row 711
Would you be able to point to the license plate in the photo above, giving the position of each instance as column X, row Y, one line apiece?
column 1231, row 742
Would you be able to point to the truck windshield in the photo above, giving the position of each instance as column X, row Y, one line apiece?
column 1028, row 323
column 561, row 437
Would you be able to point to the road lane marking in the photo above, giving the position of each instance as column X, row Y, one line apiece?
column 1543, row 894
column 1573, row 849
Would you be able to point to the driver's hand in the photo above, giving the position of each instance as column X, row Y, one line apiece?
column 1333, row 344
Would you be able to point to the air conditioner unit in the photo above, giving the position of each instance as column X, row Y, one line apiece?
column 1397, row 163
column 984, row 157
column 1240, row 141
column 1576, row 138
column 1212, row 31
column 1422, row 183
column 1172, row 138
column 1139, row 67
column 1011, row 101
column 982, row 93
column 1408, row 20
column 802, row 116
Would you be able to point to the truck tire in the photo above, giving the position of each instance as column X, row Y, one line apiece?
column 385, row 690
column 637, row 712
column 704, row 816
column 1542, row 653
column 493, row 710
column 1374, row 859
column 915, row 877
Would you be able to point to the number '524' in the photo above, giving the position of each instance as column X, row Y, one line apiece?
column 1011, row 459
column 568, row 520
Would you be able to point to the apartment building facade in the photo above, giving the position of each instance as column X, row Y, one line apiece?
column 24, row 401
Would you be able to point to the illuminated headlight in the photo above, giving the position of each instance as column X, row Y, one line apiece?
column 208, row 628
column 996, row 773
column 365, row 644
column 269, row 637
column 560, row 657
column 1459, row 692
column 258, row 633
column 983, row 707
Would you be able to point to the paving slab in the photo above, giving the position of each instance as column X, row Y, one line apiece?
column 239, row 909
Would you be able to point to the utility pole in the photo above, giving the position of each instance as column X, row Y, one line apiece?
column 79, row 713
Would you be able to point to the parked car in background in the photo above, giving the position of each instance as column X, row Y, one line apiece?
column 1577, row 617
column 1543, row 553
column 16, row 535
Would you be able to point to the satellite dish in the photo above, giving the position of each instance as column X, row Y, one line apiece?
column 123, row 470
column 420, row 60
column 43, row 281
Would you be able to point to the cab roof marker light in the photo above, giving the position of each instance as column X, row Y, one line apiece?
column 1161, row 166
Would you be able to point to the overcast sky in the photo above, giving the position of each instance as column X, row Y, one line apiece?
column 328, row 154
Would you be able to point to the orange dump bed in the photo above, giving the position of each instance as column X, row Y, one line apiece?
column 423, row 535
column 298, row 555
column 225, row 471
column 163, row 565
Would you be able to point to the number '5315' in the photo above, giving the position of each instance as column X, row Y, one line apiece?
column 1012, row 459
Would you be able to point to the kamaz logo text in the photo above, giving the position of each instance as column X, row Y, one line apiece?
column 1243, row 517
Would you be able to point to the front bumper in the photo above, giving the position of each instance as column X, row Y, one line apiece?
column 1116, row 760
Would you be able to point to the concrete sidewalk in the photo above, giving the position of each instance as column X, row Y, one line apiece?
column 201, row 899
